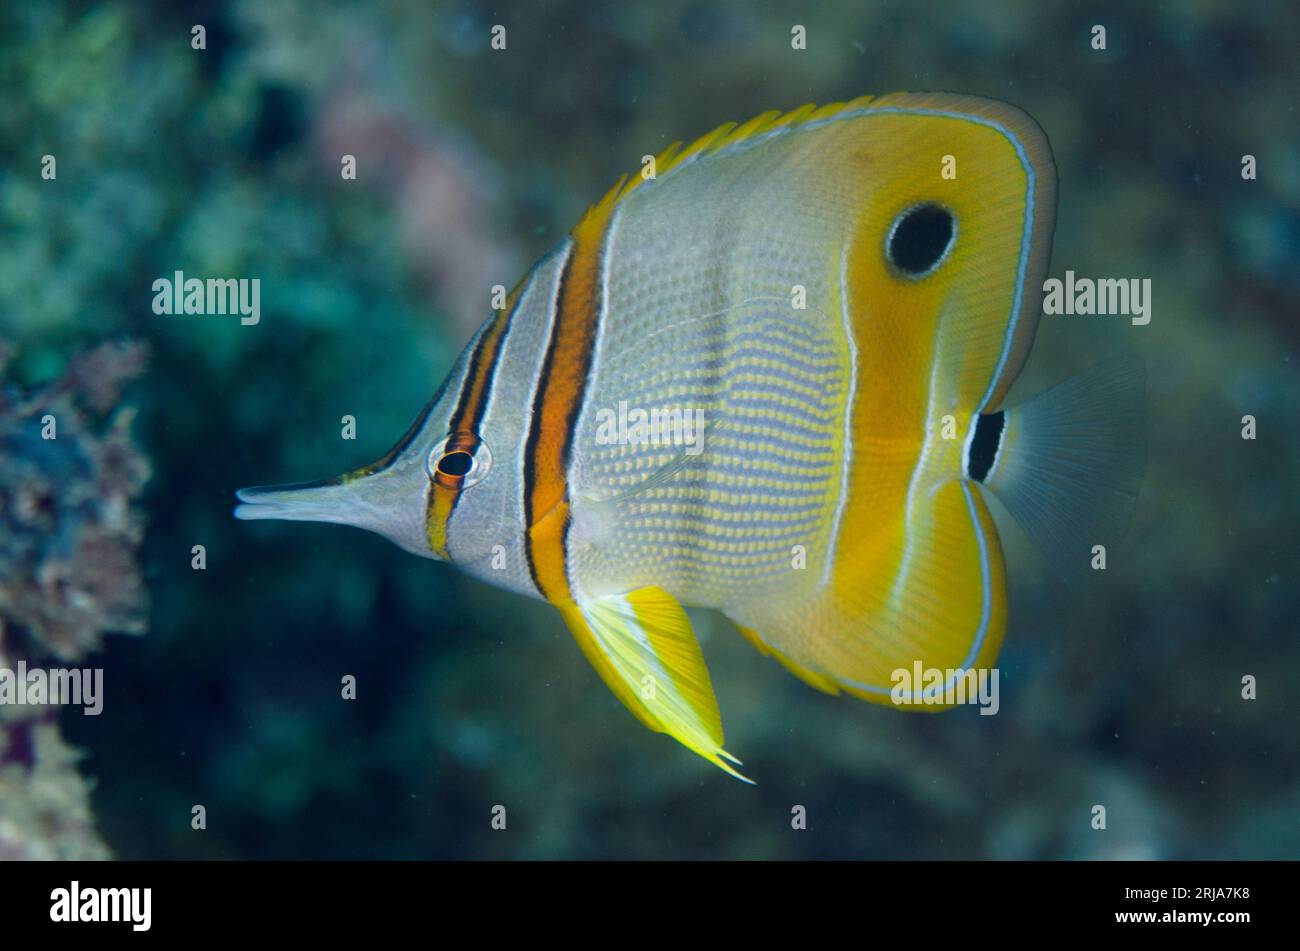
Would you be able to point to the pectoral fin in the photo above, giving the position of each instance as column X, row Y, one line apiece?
column 643, row 646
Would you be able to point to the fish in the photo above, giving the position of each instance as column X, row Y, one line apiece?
column 766, row 376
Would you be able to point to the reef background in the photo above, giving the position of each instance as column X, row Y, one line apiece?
column 1121, row 689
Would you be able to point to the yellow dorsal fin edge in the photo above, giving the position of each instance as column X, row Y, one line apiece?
column 724, row 136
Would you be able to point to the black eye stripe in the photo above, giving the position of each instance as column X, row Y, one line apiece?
column 919, row 239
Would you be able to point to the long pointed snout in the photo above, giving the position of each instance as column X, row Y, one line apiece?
column 322, row 501
column 389, row 502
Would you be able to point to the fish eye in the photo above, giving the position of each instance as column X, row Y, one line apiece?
column 919, row 240
column 456, row 464
column 459, row 461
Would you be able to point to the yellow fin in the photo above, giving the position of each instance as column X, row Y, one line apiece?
column 727, row 134
column 1004, row 204
column 913, row 572
column 643, row 646
column 938, row 598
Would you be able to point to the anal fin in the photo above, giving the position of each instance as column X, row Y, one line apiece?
column 929, row 589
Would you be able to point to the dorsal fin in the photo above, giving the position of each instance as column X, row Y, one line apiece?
column 724, row 136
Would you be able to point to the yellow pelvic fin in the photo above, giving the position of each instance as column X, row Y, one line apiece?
column 643, row 646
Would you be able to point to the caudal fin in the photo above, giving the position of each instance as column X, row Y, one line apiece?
column 1069, row 462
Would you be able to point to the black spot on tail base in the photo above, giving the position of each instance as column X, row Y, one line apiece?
column 984, row 447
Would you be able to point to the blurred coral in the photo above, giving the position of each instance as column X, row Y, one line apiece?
column 70, row 530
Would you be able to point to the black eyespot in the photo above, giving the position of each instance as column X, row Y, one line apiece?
column 456, row 464
column 919, row 239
